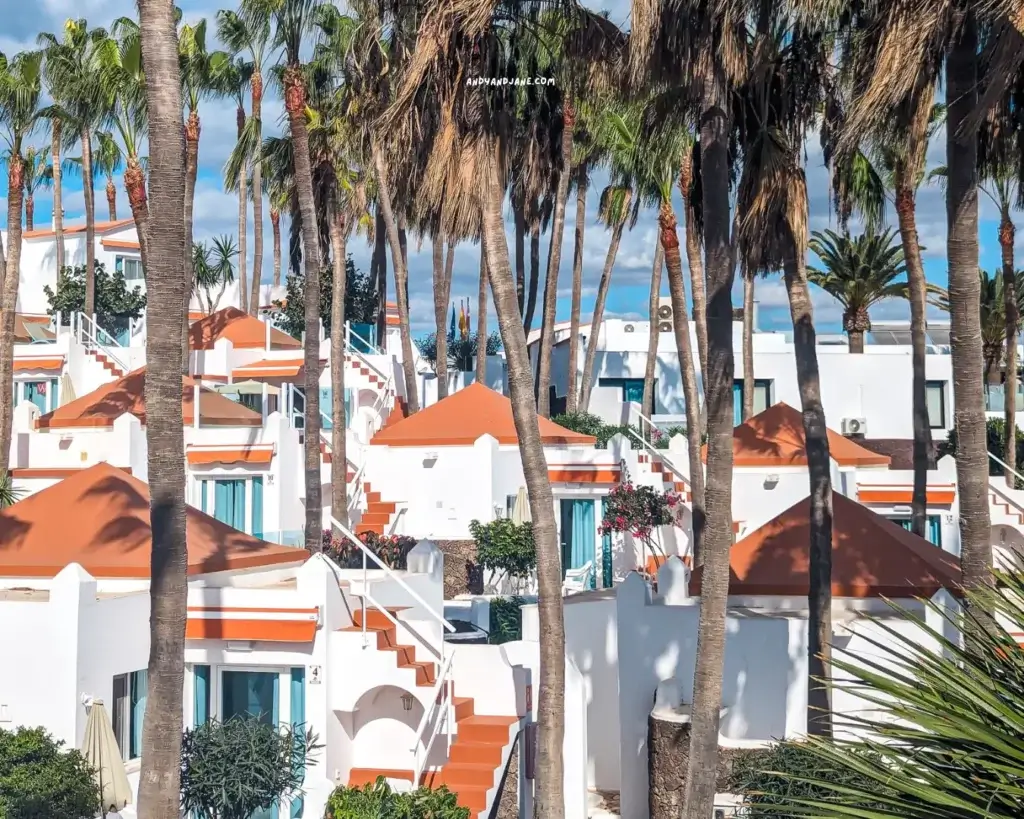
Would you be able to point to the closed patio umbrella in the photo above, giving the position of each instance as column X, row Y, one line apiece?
column 67, row 389
column 247, row 388
column 521, row 508
column 101, row 752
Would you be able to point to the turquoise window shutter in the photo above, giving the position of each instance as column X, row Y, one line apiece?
column 201, row 691
column 139, row 694
column 298, row 698
column 257, row 507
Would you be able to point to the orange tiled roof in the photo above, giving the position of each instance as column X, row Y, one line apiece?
column 121, row 244
column 464, row 416
column 111, row 535
column 21, row 335
column 775, row 437
column 100, row 408
column 871, row 557
column 241, row 329
column 101, row 227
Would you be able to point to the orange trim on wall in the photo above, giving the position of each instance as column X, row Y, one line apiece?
column 54, row 363
column 43, row 473
column 271, row 631
column 584, row 475
column 936, row 496
column 121, row 244
column 201, row 456
column 254, row 610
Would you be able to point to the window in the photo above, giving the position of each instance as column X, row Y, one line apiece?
column 935, row 396
column 128, row 712
column 762, row 397
column 632, row 388
column 229, row 499
column 934, row 528
column 131, row 268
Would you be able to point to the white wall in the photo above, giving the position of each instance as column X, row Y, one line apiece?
column 496, row 380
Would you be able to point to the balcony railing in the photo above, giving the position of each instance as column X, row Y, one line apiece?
column 994, row 397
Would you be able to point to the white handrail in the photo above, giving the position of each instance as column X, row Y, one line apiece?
column 383, row 400
column 350, row 349
column 400, row 510
column 440, row 704
column 660, row 453
column 87, row 338
column 1006, row 466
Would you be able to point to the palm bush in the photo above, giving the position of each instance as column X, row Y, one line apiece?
column 945, row 727
column 9, row 495
column 378, row 801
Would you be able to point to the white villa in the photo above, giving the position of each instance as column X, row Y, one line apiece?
column 372, row 659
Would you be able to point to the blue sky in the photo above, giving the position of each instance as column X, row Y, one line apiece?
column 216, row 211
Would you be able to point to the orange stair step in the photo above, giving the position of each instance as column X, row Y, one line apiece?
column 367, row 528
column 426, row 672
column 375, row 518
column 376, row 618
column 358, row 777
column 485, row 729
column 458, row 775
column 463, row 751
column 463, row 707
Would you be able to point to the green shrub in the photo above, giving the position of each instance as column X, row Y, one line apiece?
column 506, row 617
column 231, row 769
column 40, row 780
column 503, row 545
column 587, row 424
column 994, row 442
column 378, row 801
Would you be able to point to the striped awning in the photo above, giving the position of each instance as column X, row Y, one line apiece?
column 253, row 624
column 256, row 454
column 937, row 495
column 32, row 363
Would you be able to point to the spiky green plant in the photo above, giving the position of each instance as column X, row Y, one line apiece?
column 9, row 495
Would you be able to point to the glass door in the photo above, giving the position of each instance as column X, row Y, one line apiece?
column 579, row 543
column 256, row 693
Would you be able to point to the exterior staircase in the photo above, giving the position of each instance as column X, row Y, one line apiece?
column 378, row 512
column 482, row 744
column 373, row 378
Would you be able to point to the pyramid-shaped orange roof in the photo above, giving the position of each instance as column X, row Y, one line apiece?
column 871, row 557
column 462, row 417
column 775, row 437
column 101, row 407
column 242, row 330
column 99, row 518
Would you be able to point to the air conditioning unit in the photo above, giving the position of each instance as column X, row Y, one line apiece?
column 727, row 805
column 629, row 328
column 855, row 426
column 665, row 327
column 665, row 315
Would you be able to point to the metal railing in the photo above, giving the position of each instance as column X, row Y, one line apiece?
column 351, row 350
column 437, row 717
column 659, row 453
column 91, row 336
column 400, row 509
column 383, row 403
column 350, row 334
column 997, row 484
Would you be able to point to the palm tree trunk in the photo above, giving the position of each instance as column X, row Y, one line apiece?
column 481, row 319
column 577, row 287
column 693, row 260
column 135, row 187
column 257, row 200
column 595, row 322
column 111, row 199
column 193, row 130
column 917, row 285
column 275, row 228
column 30, row 212
column 549, row 791
column 717, row 536
column 654, row 331
column 339, row 455
column 401, row 281
column 520, row 222
column 159, row 783
column 1006, row 239
column 58, row 193
column 243, row 218
column 965, row 310
column 856, row 341
column 547, row 332
column 380, row 258
column 749, row 385
column 531, row 299
column 681, row 328
column 9, row 301
column 295, row 105
column 819, row 715
column 442, row 290
column 90, row 224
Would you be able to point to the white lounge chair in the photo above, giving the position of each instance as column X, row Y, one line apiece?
column 577, row 580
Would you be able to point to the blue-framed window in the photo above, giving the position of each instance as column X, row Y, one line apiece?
column 762, row 397
column 933, row 529
column 238, row 502
column 128, row 713
column 632, row 388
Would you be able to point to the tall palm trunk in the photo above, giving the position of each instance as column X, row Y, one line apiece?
column 549, row 792
column 90, row 223
column 339, row 455
column 9, row 300
column 295, row 105
column 243, row 217
column 547, row 332
column 819, row 716
column 481, row 319
column 257, row 199
column 401, row 281
column 111, row 199
column 193, row 128
column 717, row 526
column 681, row 329
column 749, row 385
column 442, row 292
column 531, row 299
column 135, row 187
column 906, row 213
column 965, row 309
column 58, row 193
column 275, row 228
column 30, row 211
column 577, row 287
column 380, row 259
column 159, row 785
column 520, row 223
column 595, row 323
column 693, row 260
column 1006, row 239
column 654, row 330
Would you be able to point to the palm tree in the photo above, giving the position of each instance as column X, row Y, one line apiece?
column 213, row 266
column 108, row 162
column 251, row 34
column 38, row 174
column 689, row 191
column 159, row 784
column 481, row 319
column 858, row 272
column 20, row 87
column 234, row 80
column 80, row 104
column 653, row 330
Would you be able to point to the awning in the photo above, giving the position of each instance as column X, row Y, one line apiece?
column 28, row 363
column 248, row 388
column 101, row 752
column 575, row 474
column 937, row 495
column 267, row 625
column 269, row 368
column 228, row 454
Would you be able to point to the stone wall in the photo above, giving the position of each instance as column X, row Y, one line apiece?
column 461, row 573
column 508, row 801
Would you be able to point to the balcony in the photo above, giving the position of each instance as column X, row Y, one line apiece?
column 994, row 397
